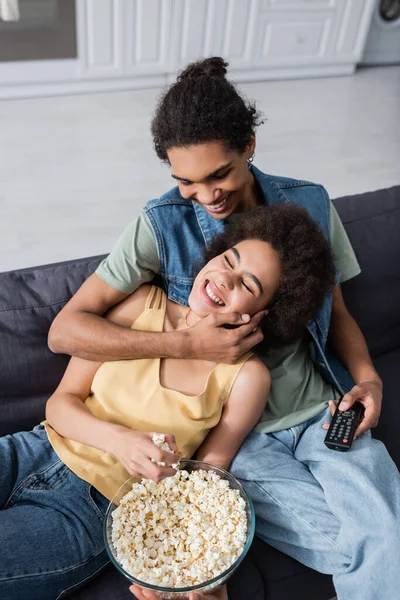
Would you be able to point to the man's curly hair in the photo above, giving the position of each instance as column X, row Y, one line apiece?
column 307, row 269
column 203, row 106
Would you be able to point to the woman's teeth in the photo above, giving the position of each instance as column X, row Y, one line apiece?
column 211, row 295
column 219, row 204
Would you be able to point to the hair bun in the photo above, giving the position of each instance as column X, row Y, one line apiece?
column 209, row 67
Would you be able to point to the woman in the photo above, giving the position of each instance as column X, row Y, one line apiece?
column 205, row 130
column 57, row 480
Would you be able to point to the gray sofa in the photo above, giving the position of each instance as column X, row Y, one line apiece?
column 29, row 372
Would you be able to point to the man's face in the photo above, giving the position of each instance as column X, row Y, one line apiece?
column 217, row 178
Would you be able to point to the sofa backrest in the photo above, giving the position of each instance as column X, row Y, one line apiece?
column 31, row 298
column 29, row 371
column 372, row 222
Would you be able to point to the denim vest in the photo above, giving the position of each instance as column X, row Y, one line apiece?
column 183, row 229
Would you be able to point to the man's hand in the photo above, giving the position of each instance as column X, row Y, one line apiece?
column 144, row 594
column 210, row 340
column 369, row 394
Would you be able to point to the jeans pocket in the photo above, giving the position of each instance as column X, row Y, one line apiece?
column 50, row 479
column 98, row 501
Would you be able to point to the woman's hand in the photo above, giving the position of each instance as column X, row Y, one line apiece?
column 136, row 449
column 144, row 594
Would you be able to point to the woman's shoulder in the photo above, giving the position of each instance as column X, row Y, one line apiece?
column 253, row 378
column 254, row 370
column 252, row 383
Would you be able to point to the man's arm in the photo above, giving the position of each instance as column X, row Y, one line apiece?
column 80, row 330
column 351, row 348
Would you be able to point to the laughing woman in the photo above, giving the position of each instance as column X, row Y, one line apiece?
column 56, row 481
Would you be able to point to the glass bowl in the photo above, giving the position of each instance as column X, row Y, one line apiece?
column 171, row 593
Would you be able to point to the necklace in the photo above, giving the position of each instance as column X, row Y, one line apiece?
column 186, row 316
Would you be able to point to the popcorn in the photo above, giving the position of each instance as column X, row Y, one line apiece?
column 187, row 530
column 159, row 440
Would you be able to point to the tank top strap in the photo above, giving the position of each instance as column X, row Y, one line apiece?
column 224, row 376
column 156, row 299
column 162, row 300
column 150, row 297
column 153, row 315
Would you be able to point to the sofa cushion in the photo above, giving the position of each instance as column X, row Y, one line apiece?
column 284, row 577
column 372, row 222
column 29, row 373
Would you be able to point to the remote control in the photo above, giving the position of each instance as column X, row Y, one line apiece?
column 343, row 426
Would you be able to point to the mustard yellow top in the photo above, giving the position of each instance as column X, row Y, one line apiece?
column 129, row 393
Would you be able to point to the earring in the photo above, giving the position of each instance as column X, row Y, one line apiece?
column 250, row 160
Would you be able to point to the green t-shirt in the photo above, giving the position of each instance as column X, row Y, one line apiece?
column 298, row 391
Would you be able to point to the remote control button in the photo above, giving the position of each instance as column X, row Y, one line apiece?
column 345, row 441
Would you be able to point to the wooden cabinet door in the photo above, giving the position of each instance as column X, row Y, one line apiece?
column 123, row 37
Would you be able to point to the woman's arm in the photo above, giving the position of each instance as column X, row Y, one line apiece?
column 68, row 415
column 241, row 413
column 65, row 409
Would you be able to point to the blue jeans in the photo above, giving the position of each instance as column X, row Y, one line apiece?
column 338, row 513
column 51, row 536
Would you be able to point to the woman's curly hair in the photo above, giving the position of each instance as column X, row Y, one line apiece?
column 307, row 269
column 203, row 106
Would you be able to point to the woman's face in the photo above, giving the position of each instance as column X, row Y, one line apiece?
column 217, row 178
column 243, row 279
